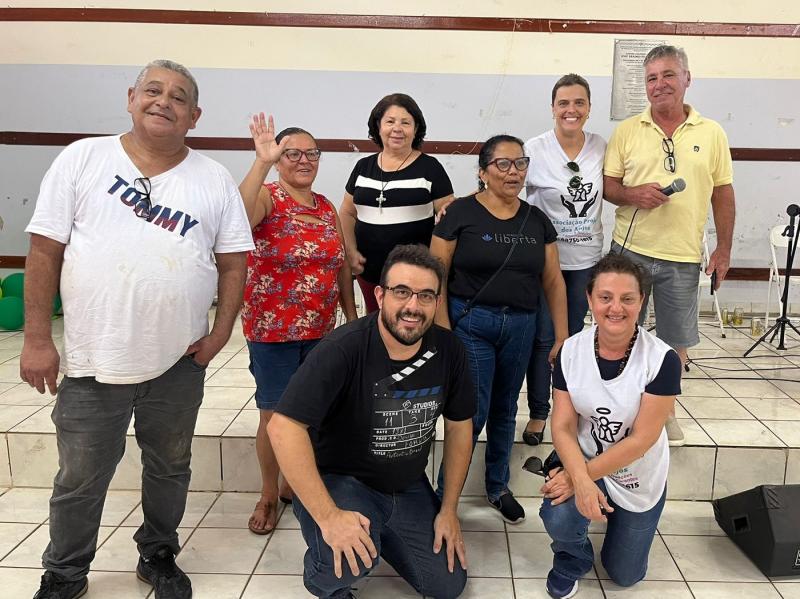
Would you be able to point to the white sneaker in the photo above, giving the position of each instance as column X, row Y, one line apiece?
column 674, row 432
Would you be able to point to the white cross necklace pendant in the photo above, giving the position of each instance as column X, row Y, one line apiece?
column 381, row 200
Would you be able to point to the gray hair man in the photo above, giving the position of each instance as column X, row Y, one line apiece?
column 664, row 233
column 126, row 226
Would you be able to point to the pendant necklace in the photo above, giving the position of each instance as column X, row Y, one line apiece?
column 625, row 358
column 382, row 198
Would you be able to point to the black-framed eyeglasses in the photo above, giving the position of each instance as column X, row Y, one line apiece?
column 669, row 147
column 426, row 297
column 294, row 155
column 504, row 164
column 576, row 180
column 144, row 206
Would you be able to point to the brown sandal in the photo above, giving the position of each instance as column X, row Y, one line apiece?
column 263, row 506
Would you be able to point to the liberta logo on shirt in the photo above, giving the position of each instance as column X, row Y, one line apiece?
column 506, row 238
column 175, row 222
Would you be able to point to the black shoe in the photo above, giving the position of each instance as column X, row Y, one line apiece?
column 168, row 580
column 55, row 586
column 532, row 438
column 509, row 508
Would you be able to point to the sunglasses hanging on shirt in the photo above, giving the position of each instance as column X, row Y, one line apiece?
column 576, row 180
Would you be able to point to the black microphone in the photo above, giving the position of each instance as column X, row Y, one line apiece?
column 675, row 186
column 793, row 210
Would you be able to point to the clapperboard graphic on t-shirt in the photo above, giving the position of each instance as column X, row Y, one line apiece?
column 404, row 418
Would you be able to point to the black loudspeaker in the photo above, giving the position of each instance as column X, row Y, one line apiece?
column 765, row 523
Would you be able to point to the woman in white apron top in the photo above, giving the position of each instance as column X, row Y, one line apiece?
column 614, row 385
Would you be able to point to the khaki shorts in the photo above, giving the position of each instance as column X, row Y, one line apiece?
column 674, row 288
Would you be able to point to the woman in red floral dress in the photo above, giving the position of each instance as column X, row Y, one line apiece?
column 295, row 277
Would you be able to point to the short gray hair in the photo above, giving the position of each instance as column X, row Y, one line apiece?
column 665, row 51
column 171, row 66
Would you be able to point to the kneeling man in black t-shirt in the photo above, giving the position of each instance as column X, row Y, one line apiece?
column 369, row 396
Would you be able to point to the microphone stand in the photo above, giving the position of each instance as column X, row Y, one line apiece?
column 783, row 321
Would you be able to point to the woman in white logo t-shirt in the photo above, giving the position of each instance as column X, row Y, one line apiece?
column 614, row 386
column 565, row 181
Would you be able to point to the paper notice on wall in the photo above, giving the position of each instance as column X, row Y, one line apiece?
column 628, row 95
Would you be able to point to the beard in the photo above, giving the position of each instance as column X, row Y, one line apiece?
column 404, row 335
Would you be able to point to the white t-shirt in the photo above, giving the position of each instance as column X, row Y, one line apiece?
column 575, row 213
column 135, row 291
column 607, row 410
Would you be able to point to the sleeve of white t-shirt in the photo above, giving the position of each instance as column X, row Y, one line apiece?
column 55, row 207
column 234, row 233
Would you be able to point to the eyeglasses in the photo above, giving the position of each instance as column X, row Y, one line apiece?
column 504, row 164
column 669, row 148
column 576, row 181
column 295, row 155
column 425, row 297
column 144, row 206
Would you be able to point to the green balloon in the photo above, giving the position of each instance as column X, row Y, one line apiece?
column 13, row 285
column 12, row 313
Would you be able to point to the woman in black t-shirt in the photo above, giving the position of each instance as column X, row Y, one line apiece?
column 391, row 197
column 499, row 252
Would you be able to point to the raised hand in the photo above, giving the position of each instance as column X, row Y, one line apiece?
column 263, row 132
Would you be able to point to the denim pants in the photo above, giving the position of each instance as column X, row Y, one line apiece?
column 91, row 420
column 498, row 341
column 401, row 527
column 539, row 372
column 625, row 549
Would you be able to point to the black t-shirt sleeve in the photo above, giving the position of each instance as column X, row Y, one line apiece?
column 448, row 227
column 440, row 182
column 461, row 400
column 668, row 379
column 558, row 375
column 550, row 233
column 350, row 186
column 316, row 385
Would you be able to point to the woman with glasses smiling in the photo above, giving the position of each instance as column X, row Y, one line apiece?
column 499, row 252
column 566, row 182
column 295, row 277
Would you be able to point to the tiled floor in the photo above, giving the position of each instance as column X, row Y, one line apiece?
column 734, row 407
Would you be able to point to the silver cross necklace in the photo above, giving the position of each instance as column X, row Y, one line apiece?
column 382, row 198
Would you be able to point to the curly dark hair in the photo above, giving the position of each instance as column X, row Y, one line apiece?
column 403, row 101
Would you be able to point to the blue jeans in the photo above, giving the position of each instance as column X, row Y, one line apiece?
column 539, row 372
column 273, row 364
column 625, row 549
column 401, row 527
column 498, row 341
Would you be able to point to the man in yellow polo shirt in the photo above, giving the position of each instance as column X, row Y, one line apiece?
column 664, row 233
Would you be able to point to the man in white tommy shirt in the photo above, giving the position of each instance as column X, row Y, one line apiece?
column 138, row 232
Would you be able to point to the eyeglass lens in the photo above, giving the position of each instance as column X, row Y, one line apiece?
column 295, row 155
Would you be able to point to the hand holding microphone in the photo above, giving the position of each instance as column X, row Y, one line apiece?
column 652, row 195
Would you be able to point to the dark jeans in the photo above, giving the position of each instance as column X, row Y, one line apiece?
column 498, row 341
column 401, row 527
column 91, row 419
column 625, row 549
column 539, row 372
